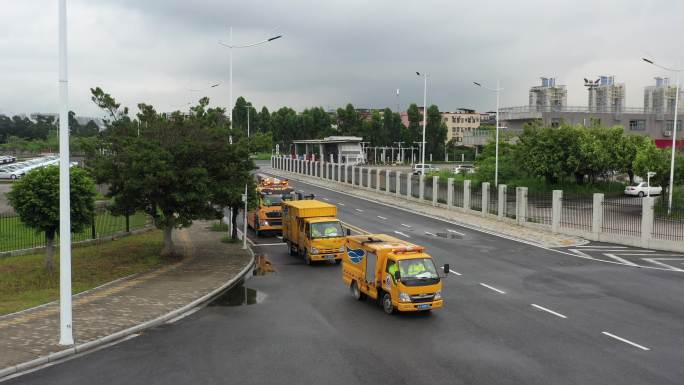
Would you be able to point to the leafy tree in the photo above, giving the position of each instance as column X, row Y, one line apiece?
column 36, row 200
column 508, row 167
column 264, row 120
column 627, row 148
column 651, row 158
column 181, row 168
column 240, row 116
column 414, row 131
column 348, row 121
column 435, row 134
column 284, row 124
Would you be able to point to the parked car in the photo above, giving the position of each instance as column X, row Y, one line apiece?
column 11, row 172
column 464, row 169
column 641, row 189
column 423, row 168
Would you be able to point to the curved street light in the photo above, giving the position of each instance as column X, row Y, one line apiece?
column 422, row 152
column 496, row 156
column 677, row 71
column 231, row 46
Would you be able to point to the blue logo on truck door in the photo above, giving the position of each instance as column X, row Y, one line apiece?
column 355, row 256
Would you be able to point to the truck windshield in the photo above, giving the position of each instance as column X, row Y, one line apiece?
column 418, row 271
column 326, row 230
column 272, row 199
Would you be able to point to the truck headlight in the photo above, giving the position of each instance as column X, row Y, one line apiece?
column 264, row 223
column 341, row 249
column 314, row 250
column 438, row 294
column 403, row 297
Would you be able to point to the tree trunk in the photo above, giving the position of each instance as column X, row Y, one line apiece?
column 631, row 176
column 168, row 241
column 234, row 221
column 49, row 261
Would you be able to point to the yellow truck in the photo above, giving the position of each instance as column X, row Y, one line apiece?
column 311, row 230
column 267, row 216
column 397, row 274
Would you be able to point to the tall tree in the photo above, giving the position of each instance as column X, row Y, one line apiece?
column 348, row 121
column 413, row 133
column 264, row 119
column 435, row 134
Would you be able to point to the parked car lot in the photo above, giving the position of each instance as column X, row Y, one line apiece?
column 5, row 159
column 19, row 169
column 423, row 168
column 464, row 169
column 641, row 189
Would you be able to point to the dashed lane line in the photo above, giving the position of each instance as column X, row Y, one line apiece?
column 340, row 203
column 383, row 218
column 455, row 232
column 359, row 210
column 455, row 272
column 429, row 233
column 492, row 288
column 548, row 311
column 402, row 234
column 405, row 225
column 626, row 341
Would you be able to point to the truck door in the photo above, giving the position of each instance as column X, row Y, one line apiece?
column 388, row 281
column 371, row 262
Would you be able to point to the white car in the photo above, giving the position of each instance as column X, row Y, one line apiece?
column 420, row 168
column 641, row 189
column 11, row 173
column 464, row 169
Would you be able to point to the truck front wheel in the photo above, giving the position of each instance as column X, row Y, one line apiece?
column 356, row 292
column 291, row 247
column 307, row 258
column 387, row 303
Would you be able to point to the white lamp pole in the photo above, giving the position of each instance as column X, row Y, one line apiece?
column 498, row 90
column 230, row 47
column 244, row 225
column 425, row 76
column 65, row 316
column 677, row 71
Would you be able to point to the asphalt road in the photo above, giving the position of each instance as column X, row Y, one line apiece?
column 514, row 314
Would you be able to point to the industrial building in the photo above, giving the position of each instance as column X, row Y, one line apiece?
column 548, row 96
column 605, row 95
column 661, row 98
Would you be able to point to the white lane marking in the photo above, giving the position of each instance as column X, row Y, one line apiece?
column 615, row 257
column 405, row 225
column 614, row 250
column 429, row 233
column 269, row 244
column 492, row 288
column 340, row 203
column 455, row 272
column 400, row 233
column 548, row 311
column 455, row 232
column 656, row 261
column 279, row 236
column 359, row 210
column 383, row 218
column 658, row 255
column 626, row 341
column 180, row 317
column 602, row 247
column 326, row 199
column 455, row 222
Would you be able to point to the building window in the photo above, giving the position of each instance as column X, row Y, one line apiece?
column 637, row 125
column 670, row 125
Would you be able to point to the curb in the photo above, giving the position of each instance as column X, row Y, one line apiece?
column 90, row 345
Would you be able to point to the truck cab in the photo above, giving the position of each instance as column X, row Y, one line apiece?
column 311, row 230
column 267, row 216
column 399, row 275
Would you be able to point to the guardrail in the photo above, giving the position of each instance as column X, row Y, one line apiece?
column 634, row 221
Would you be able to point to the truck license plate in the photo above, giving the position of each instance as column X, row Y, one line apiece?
column 424, row 306
column 329, row 257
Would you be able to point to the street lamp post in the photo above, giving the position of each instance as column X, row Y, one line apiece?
column 65, row 316
column 497, row 90
column 248, row 107
column 230, row 46
column 425, row 76
column 677, row 71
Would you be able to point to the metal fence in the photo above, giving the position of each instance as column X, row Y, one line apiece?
column 476, row 197
column 539, row 207
column 668, row 226
column 493, row 203
column 403, row 180
column 576, row 212
column 509, row 205
column 14, row 235
column 622, row 216
column 427, row 195
column 415, row 186
column 458, row 194
column 441, row 193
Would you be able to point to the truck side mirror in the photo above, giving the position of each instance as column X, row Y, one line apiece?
column 348, row 231
column 446, row 269
column 397, row 276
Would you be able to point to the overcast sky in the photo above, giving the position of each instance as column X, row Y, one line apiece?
column 332, row 52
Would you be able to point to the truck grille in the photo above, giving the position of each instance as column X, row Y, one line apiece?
column 274, row 214
column 275, row 223
column 422, row 298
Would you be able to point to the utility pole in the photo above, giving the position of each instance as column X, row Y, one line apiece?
column 244, row 225
column 65, row 316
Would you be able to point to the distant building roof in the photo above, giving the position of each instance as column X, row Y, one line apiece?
column 331, row 139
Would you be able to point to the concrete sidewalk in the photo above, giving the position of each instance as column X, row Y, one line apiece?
column 208, row 265
column 502, row 228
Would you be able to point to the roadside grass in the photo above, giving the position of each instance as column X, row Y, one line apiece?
column 14, row 235
column 219, row 226
column 228, row 239
column 24, row 283
column 262, row 156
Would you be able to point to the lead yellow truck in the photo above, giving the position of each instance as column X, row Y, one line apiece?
column 311, row 230
column 398, row 274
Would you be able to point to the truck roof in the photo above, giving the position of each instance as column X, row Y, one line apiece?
column 383, row 242
column 321, row 219
column 309, row 204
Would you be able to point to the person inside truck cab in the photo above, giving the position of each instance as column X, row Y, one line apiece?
column 331, row 230
column 391, row 268
column 414, row 268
